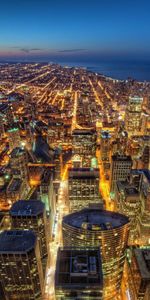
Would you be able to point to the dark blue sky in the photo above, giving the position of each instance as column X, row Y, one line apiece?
column 62, row 29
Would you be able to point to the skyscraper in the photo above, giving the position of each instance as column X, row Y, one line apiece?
column 84, row 145
column 133, row 115
column 19, row 163
column 120, row 169
column 84, row 189
column 138, row 271
column 107, row 230
column 21, row 272
column 31, row 215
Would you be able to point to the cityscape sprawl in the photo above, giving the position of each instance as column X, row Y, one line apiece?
column 74, row 184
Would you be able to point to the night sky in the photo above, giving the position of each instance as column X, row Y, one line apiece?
column 60, row 29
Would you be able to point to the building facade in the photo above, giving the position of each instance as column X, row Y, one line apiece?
column 21, row 272
column 106, row 230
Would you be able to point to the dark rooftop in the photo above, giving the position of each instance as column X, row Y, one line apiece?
column 78, row 268
column 17, row 241
column 117, row 157
column 16, row 152
column 27, row 208
column 84, row 131
column 14, row 185
column 95, row 218
column 83, row 173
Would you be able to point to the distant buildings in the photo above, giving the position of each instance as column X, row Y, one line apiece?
column 78, row 274
column 84, row 189
column 21, row 272
column 106, row 230
column 120, row 168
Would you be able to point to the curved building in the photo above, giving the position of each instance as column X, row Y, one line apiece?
column 107, row 230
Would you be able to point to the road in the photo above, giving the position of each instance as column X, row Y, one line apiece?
column 61, row 210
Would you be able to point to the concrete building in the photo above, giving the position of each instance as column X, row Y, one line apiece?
column 120, row 169
column 21, row 272
column 84, row 189
column 84, row 145
column 133, row 116
column 19, row 163
column 78, row 274
column 138, row 271
column 30, row 214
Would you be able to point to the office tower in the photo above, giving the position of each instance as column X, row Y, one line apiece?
column 122, row 140
column 2, row 129
column 19, row 163
column 120, row 169
column 10, row 116
column 144, row 216
column 138, row 272
column 84, row 145
column 133, row 115
column 105, row 146
column 84, row 188
column 107, row 230
column 15, row 190
column 78, row 274
column 21, row 273
column 30, row 214
column 48, row 196
column 57, row 162
column 14, row 138
column 128, row 202
column 145, row 158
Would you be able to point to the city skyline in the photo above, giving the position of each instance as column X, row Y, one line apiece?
column 43, row 31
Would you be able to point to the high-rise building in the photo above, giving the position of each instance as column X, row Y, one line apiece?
column 133, row 115
column 2, row 129
column 84, row 145
column 138, row 272
column 10, row 116
column 84, row 189
column 120, row 168
column 105, row 146
column 19, row 163
column 21, row 272
column 14, row 138
column 127, row 197
column 30, row 214
column 78, row 274
column 107, row 230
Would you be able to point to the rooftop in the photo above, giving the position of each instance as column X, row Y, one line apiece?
column 84, row 131
column 143, row 261
column 117, row 157
column 95, row 219
column 17, row 152
column 78, row 268
column 27, row 208
column 17, row 241
column 83, row 173
column 14, row 185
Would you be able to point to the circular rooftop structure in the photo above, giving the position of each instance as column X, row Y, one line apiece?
column 95, row 219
